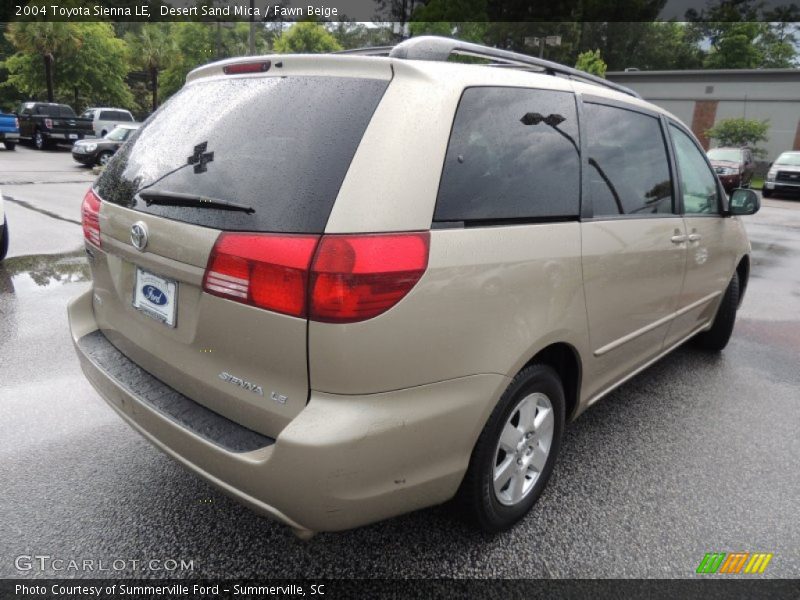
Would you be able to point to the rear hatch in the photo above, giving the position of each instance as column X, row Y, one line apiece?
column 227, row 188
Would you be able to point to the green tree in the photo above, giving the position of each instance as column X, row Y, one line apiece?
column 92, row 71
column 350, row 34
column 745, row 36
column 734, row 45
column 591, row 62
column 45, row 41
column 665, row 46
column 95, row 74
column 152, row 50
column 462, row 19
column 740, row 132
column 306, row 37
column 195, row 46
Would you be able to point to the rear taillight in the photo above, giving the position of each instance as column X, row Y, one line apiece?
column 351, row 277
column 357, row 277
column 264, row 270
column 16, row 123
column 90, row 217
column 48, row 123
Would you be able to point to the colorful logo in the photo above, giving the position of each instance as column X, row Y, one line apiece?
column 734, row 562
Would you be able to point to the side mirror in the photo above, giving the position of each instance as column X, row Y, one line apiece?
column 744, row 202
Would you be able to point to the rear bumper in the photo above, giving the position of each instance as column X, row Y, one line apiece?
column 344, row 461
column 69, row 136
column 782, row 185
column 10, row 137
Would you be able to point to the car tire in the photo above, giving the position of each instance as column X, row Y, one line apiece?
column 10, row 145
column 4, row 240
column 535, row 394
column 39, row 141
column 104, row 157
column 716, row 338
column 766, row 193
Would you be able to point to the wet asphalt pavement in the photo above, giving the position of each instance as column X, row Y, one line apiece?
column 698, row 454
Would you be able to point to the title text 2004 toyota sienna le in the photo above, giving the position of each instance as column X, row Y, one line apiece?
column 354, row 286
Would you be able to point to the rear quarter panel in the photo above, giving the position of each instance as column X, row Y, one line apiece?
column 490, row 299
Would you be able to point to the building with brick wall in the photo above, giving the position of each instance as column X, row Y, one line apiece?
column 701, row 98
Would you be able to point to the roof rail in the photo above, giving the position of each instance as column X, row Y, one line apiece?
column 367, row 51
column 430, row 47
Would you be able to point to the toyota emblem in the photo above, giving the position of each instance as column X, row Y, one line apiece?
column 139, row 235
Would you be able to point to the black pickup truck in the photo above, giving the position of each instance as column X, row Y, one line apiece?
column 46, row 123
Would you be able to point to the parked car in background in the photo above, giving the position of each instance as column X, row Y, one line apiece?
column 100, row 151
column 406, row 293
column 106, row 119
column 3, row 230
column 45, row 123
column 9, row 130
column 733, row 166
column 783, row 175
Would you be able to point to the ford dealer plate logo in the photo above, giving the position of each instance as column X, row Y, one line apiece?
column 154, row 295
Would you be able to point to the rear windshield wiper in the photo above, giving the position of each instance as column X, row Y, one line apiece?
column 167, row 198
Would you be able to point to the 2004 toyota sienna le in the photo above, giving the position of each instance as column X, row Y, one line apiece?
column 354, row 286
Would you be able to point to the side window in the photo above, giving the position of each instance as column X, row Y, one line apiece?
column 628, row 172
column 124, row 116
column 700, row 195
column 513, row 154
column 106, row 115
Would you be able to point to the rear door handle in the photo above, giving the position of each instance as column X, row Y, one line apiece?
column 678, row 239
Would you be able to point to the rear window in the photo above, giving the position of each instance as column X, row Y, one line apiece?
column 281, row 145
column 63, row 111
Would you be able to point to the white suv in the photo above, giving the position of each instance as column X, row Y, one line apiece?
column 106, row 119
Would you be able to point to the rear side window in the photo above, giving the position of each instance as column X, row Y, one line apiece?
column 513, row 154
column 628, row 171
column 279, row 145
column 63, row 111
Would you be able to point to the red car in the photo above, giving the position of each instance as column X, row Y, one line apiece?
column 734, row 166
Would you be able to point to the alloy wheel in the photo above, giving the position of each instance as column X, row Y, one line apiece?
column 523, row 448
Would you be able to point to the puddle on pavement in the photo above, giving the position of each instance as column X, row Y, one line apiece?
column 43, row 271
column 770, row 248
column 768, row 254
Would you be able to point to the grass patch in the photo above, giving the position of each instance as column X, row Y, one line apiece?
column 757, row 183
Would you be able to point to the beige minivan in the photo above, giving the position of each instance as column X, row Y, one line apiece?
column 357, row 285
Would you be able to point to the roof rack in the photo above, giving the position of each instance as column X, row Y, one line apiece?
column 368, row 51
column 430, row 47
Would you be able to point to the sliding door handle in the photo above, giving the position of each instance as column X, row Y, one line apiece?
column 678, row 239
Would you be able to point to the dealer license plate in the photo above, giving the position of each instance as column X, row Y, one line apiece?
column 156, row 296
